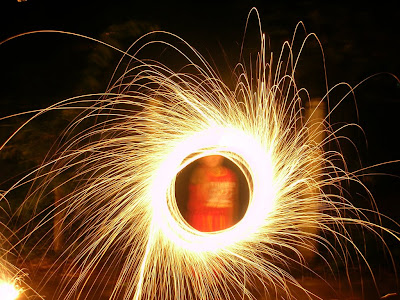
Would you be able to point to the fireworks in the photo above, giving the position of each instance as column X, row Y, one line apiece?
column 146, row 129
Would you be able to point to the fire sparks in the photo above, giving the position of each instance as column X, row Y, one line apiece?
column 9, row 290
column 150, row 125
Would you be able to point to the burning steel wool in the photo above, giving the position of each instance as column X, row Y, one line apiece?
column 122, row 213
column 8, row 291
column 10, row 288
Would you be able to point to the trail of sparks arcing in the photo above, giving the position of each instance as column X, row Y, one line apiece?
column 150, row 125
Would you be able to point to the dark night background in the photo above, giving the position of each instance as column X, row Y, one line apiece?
column 359, row 40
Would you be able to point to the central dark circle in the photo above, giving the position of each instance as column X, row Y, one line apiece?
column 212, row 193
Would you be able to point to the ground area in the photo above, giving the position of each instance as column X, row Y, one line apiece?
column 339, row 286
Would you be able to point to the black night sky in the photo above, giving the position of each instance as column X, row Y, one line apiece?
column 359, row 40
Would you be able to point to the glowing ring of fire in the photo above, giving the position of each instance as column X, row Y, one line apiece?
column 243, row 150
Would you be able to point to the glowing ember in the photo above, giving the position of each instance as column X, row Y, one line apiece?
column 8, row 291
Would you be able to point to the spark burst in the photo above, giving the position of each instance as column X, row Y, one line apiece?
column 152, row 123
column 10, row 280
column 9, row 290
